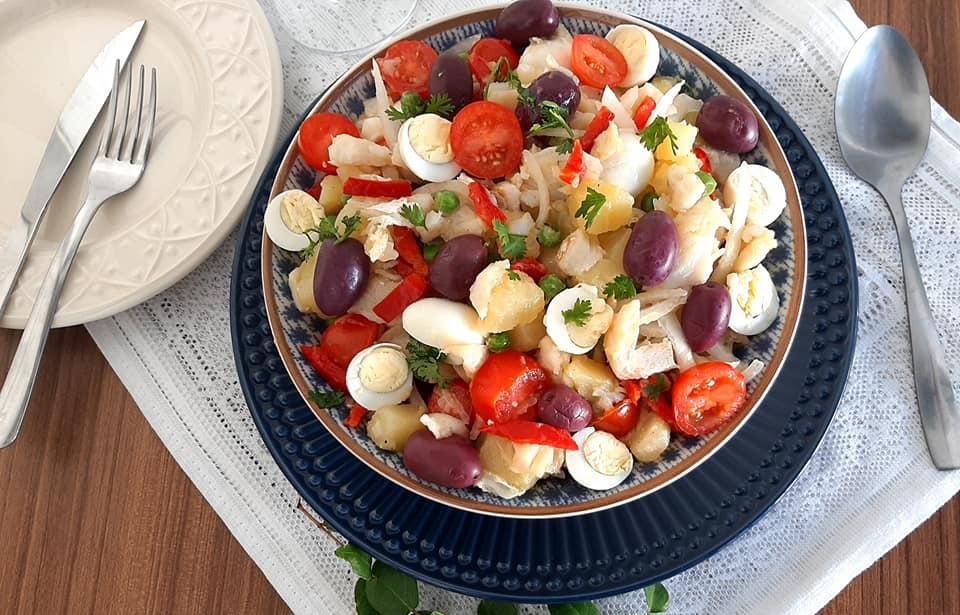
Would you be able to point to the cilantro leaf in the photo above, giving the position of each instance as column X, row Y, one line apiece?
column 564, row 146
column 411, row 105
column 328, row 230
column 656, row 386
column 512, row 245
column 654, row 134
column 590, row 206
column 414, row 214
column 524, row 97
column 425, row 363
column 579, row 314
column 620, row 287
column 350, row 224
column 552, row 115
column 327, row 399
column 513, row 275
column 440, row 104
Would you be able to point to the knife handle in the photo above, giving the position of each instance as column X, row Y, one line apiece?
column 18, row 386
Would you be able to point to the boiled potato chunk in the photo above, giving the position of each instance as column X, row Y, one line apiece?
column 650, row 438
column 331, row 193
column 526, row 337
column 590, row 378
column 518, row 465
column 614, row 213
column 392, row 426
column 513, row 303
column 301, row 285
column 661, row 174
column 686, row 135
column 611, row 265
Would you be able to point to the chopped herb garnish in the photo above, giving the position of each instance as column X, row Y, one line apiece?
column 328, row 230
column 620, row 287
column 549, row 237
column 513, row 275
column 411, row 105
column 524, row 97
column 647, row 202
column 579, row 314
column 654, row 134
column 552, row 285
column 656, row 386
column 709, row 183
column 552, row 115
column 498, row 342
column 414, row 214
column 350, row 224
column 564, row 146
column 430, row 251
column 590, row 206
column 327, row 399
column 447, row 201
column 512, row 245
column 425, row 362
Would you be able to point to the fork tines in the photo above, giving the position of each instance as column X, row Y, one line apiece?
column 116, row 143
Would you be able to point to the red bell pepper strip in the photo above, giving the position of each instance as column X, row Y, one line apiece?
column 314, row 190
column 386, row 188
column 339, row 343
column 576, row 166
column 654, row 394
column 530, row 432
column 335, row 375
column 409, row 290
column 599, row 123
column 408, row 247
column 642, row 115
column 704, row 159
column 530, row 266
column 355, row 418
column 484, row 205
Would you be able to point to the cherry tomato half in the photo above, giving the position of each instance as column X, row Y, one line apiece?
column 706, row 396
column 485, row 55
column 507, row 387
column 597, row 62
column 339, row 343
column 406, row 68
column 487, row 140
column 453, row 399
column 620, row 419
column 529, row 432
column 316, row 134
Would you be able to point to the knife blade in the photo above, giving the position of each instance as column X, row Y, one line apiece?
column 75, row 121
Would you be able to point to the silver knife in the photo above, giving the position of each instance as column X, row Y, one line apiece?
column 75, row 121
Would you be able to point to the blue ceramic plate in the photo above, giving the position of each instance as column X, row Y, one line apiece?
column 608, row 552
column 556, row 496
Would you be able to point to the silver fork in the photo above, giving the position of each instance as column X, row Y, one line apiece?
column 117, row 167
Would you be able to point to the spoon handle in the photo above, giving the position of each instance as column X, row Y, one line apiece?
column 938, row 409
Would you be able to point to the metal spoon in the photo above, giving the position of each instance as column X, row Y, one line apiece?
column 883, row 124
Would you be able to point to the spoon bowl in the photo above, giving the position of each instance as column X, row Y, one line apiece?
column 883, row 108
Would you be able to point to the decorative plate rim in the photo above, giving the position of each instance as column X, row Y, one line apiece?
column 716, row 440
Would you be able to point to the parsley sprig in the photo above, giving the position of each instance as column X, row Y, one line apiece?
column 524, row 97
column 425, row 363
column 414, row 214
column 620, row 287
column 590, row 206
column 328, row 230
column 327, row 399
column 552, row 115
column 411, row 105
column 579, row 314
column 654, row 134
column 512, row 245
column 656, row 386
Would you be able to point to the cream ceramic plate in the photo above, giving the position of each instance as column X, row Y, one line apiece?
column 220, row 101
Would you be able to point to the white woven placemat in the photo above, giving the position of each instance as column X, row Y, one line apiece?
column 869, row 484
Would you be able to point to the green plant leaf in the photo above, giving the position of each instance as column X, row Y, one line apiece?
column 577, row 608
column 487, row 607
column 358, row 559
column 360, row 598
column 392, row 592
column 658, row 599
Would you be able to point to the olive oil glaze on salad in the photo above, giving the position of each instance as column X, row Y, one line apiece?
column 535, row 255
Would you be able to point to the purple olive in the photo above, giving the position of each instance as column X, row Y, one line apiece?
column 451, row 75
column 449, row 462
column 341, row 276
column 651, row 252
column 563, row 407
column 553, row 86
column 706, row 315
column 519, row 21
column 456, row 266
column 728, row 124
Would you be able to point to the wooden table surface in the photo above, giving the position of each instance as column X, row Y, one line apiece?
column 96, row 517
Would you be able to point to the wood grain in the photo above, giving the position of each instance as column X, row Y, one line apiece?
column 96, row 517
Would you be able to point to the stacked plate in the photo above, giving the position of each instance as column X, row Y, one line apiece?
column 561, row 543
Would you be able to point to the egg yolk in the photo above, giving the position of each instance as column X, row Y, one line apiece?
column 384, row 370
column 430, row 138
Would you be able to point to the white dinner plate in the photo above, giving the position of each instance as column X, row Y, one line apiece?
column 220, row 99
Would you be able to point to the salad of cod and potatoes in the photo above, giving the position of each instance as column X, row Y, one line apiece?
column 534, row 255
